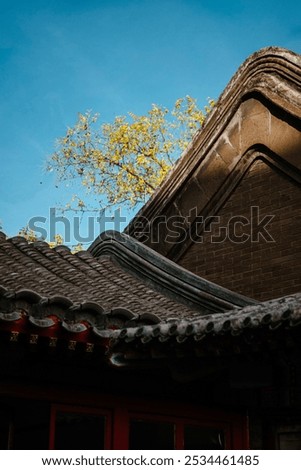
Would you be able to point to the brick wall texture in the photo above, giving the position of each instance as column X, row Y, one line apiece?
column 257, row 261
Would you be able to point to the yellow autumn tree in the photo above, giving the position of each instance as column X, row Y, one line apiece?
column 31, row 236
column 126, row 160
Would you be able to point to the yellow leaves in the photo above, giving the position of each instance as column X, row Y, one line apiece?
column 69, row 133
column 178, row 103
column 141, row 159
column 125, row 160
column 77, row 248
column 28, row 234
column 167, row 146
column 81, row 204
column 31, row 237
column 211, row 104
column 58, row 239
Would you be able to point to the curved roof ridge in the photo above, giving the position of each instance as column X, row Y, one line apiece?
column 274, row 73
column 111, row 284
column 165, row 274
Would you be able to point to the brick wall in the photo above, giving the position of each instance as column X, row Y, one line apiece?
column 260, row 265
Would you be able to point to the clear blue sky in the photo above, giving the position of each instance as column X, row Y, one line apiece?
column 59, row 57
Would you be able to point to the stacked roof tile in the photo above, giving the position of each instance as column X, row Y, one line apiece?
column 53, row 285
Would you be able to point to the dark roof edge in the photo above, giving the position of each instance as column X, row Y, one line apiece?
column 270, row 313
column 165, row 275
column 257, row 74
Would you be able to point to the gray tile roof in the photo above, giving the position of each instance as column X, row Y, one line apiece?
column 165, row 276
column 264, row 327
column 113, row 285
column 285, row 311
column 79, row 278
column 49, row 292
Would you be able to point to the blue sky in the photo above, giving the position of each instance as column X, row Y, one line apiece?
column 61, row 57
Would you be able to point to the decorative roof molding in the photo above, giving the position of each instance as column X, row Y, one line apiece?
column 165, row 275
column 271, row 313
column 226, row 190
column 209, row 334
column 136, row 341
column 45, row 313
column 260, row 110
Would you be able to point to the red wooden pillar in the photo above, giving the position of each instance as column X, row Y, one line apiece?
column 120, row 437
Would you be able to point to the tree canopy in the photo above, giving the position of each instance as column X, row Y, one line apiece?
column 126, row 160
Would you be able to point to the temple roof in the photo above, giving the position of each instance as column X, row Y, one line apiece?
column 204, row 346
column 130, row 294
column 272, row 314
column 110, row 293
column 117, row 276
